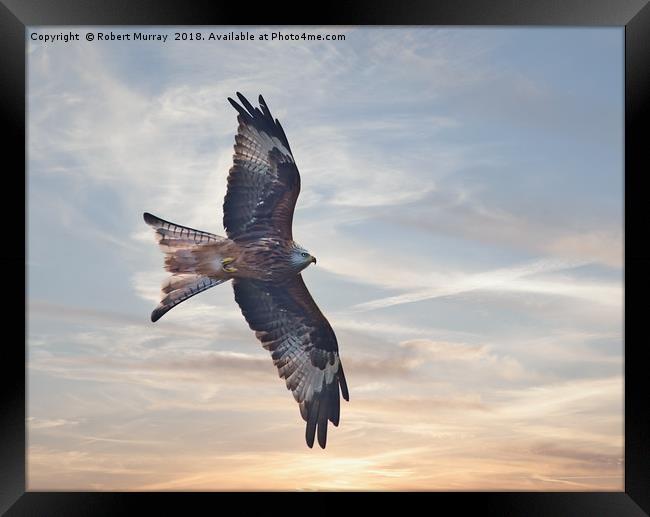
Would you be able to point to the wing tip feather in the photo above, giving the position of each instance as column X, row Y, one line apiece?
column 343, row 384
column 260, row 118
column 322, row 434
column 310, row 434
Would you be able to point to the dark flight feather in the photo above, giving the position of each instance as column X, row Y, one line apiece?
column 303, row 347
column 264, row 182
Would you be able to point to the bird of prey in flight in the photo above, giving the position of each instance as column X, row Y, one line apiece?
column 264, row 263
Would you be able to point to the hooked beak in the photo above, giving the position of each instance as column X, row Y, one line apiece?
column 313, row 259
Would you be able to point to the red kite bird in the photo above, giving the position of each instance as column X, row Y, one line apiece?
column 264, row 263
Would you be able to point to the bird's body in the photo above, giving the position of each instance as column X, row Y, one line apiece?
column 267, row 259
column 263, row 260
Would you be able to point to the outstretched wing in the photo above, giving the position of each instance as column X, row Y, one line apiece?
column 263, row 183
column 303, row 347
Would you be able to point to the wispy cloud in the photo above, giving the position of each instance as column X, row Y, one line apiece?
column 510, row 279
column 38, row 423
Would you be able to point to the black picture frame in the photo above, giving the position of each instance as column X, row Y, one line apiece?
column 634, row 15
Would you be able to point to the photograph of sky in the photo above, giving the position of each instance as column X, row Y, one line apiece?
column 463, row 192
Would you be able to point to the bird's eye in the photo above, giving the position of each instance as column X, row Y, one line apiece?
column 305, row 254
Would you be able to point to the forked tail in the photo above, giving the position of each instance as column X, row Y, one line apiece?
column 185, row 258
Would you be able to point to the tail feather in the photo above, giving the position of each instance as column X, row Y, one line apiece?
column 172, row 235
column 180, row 245
column 179, row 288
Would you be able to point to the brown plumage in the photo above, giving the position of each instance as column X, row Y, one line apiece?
column 264, row 262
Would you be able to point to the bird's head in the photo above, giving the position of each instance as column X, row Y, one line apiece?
column 300, row 257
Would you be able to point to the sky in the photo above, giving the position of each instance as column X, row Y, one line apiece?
column 462, row 189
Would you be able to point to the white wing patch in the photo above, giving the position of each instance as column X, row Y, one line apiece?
column 256, row 145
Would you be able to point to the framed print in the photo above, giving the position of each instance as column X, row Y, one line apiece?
column 391, row 250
